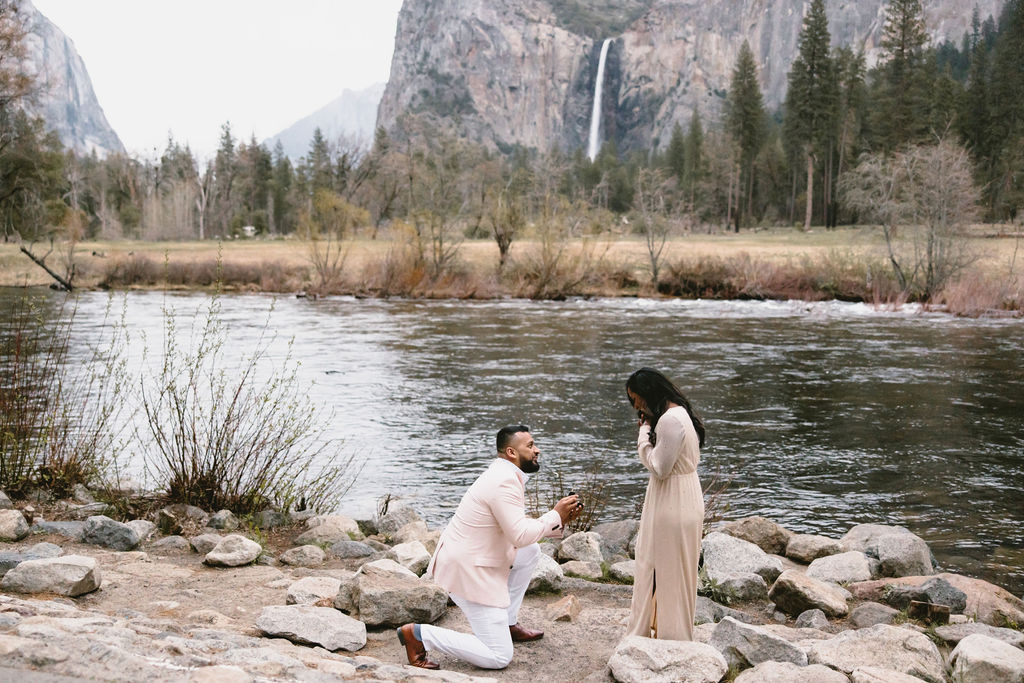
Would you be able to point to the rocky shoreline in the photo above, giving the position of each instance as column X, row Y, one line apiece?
column 186, row 595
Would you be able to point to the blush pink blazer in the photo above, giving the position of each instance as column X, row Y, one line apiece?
column 475, row 552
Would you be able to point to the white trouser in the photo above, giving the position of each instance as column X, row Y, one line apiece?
column 490, row 645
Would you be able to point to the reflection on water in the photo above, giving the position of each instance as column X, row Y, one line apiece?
column 821, row 415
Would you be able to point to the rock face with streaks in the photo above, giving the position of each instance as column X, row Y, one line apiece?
column 66, row 100
column 522, row 72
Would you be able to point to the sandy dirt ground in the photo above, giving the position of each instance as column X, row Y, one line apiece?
column 177, row 586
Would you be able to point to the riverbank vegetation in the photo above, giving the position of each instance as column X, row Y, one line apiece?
column 209, row 428
column 904, row 159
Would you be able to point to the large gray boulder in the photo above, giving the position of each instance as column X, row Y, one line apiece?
column 954, row 633
column 412, row 555
column 869, row 614
column 584, row 546
column 744, row 587
column 981, row 659
column 624, row 571
column 795, row 592
column 848, row 567
column 764, row 533
column 806, row 548
column 70, row 575
column 384, row 593
column 101, row 530
column 170, row 544
column 329, row 529
column 899, row 552
column 887, row 647
column 204, row 543
column 547, row 576
column 787, row 672
column 348, row 549
column 5, row 502
column 88, row 510
column 225, row 520
column 744, row 645
column 725, row 555
column 143, row 528
column 417, row 531
column 904, row 555
column 584, row 570
column 874, row 674
column 233, row 551
column 309, row 625
column 303, row 556
column 937, row 591
column 174, row 519
column 13, row 526
column 986, row 602
column 39, row 551
column 71, row 530
column 310, row 590
column 812, row 618
column 397, row 517
column 617, row 537
column 710, row 612
column 646, row 660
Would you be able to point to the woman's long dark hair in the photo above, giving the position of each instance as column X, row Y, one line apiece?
column 657, row 390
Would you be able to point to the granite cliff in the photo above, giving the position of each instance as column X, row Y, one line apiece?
column 65, row 99
column 507, row 72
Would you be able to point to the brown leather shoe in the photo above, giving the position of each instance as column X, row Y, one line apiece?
column 524, row 635
column 414, row 650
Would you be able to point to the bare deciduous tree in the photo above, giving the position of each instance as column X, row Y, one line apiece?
column 923, row 198
column 652, row 206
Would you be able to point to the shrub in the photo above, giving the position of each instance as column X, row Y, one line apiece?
column 59, row 422
column 222, row 437
column 542, row 497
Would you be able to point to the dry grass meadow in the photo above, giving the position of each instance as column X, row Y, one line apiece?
column 847, row 263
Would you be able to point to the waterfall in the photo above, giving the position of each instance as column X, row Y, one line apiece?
column 594, row 145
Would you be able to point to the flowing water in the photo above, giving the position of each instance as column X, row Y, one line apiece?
column 819, row 416
column 594, row 141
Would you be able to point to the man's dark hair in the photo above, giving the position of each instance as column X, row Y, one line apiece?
column 505, row 435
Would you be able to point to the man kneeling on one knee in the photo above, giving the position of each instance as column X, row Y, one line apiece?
column 486, row 557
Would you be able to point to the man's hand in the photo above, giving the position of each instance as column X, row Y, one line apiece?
column 569, row 508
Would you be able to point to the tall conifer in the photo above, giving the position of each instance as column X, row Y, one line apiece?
column 693, row 171
column 812, row 93
column 746, row 123
column 675, row 155
column 903, row 84
column 1006, row 126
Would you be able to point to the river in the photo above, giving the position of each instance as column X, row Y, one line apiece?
column 819, row 415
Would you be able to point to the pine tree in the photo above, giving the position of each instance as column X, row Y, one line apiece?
column 811, row 96
column 745, row 122
column 675, row 155
column 281, row 218
column 973, row 121
column 903, row 87
column 851, row 112
column 1006, row 126
column 224, row 170
column 319, row 161
column 693, row 171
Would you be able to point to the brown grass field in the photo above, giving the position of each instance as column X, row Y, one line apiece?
column 779, row 263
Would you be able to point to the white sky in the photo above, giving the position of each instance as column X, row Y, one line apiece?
column 188, row 66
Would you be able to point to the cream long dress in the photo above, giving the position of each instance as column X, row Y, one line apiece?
column 668, row 541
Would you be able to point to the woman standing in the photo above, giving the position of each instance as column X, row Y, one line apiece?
column 668, row 541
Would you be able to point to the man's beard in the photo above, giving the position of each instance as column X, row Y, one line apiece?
column 529, row 466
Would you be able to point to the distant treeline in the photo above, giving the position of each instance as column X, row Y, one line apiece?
column 757, row 167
